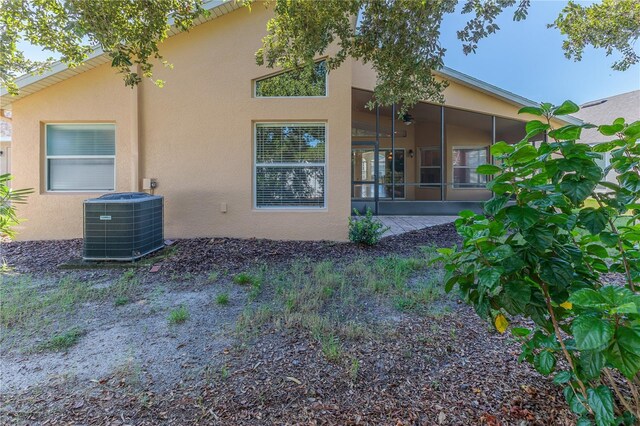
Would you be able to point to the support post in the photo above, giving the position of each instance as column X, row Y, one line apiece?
column 442, row 156
column 393, row 152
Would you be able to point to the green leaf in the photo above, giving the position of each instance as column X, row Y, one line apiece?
column 562, row 377
column 593, row 220
column 489, row 277
column 630, row 181
column 499, row 253
column 488, row 169
column 624, row 353
column 524, row 216
column 577, row 189
column 524, row 154
column 584, row 421
column 531, row 110
column 520, row 332
column 610, row 130
column 588, row 298
column 591, row 363
column 574, row 401
column 515, row 296
column 591, row 332
column 597, row 250
column 566, row 108
column 539, row 237
column 535, row 127
column 495, row 204
column 565, row 133
column 601, row 402
column 633, row 130
column 501, row 148
column 556, row 272
column 609, row 239
column 544, row 362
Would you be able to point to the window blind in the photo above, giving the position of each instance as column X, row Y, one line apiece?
column 290, row 165
column 80, row 157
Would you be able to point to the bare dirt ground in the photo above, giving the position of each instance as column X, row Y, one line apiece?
column 311, row 333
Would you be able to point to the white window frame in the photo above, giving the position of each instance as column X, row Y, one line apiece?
column 47, row 157
column 420, row 167
column 326, row 85
column 455, row 185
column 256, row 165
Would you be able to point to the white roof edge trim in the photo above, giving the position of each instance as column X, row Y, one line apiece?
column 467, row 80
column 58, row 67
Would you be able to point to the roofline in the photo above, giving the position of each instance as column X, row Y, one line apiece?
column 98, row 56
column 490, row 89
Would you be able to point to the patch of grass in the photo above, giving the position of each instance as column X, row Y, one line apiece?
column 331, row 347
column 222, row 299
column 178, row 315
column 213, row 276
column 121, row 301
column 63, row 341
column 23, row 301
column 354, row 369
column 244, row 278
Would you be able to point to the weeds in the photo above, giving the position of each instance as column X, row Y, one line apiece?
column 178, row 315
column 222, row 299
column 62, row 342
column 121, row 301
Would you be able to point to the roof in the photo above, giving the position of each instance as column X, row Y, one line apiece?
column 490, row 89
column 29, row 83
column 606, row 110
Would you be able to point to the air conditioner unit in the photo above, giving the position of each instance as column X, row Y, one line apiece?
column 123, row 226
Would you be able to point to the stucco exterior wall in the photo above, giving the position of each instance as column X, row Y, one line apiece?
column 195, row 138
column 95, row 96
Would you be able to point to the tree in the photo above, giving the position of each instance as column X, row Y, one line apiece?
column 613, row 25
column 399, row 38
column 560, row 246
column 8, row 216
column 130, row 31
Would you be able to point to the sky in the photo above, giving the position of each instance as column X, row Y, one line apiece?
column 525, row 58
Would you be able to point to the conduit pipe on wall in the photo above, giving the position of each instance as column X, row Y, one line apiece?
column 134, row 136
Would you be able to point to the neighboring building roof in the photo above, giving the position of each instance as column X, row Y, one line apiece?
column 606, row 110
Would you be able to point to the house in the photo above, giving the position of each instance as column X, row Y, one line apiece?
column 236, row 152
column 605, row 111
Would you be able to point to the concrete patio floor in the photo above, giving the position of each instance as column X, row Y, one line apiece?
column 401, row 224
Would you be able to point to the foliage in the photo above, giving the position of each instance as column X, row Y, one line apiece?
column 612, row 25
column 129, row 31
column 540, row 253
column 303, row 82
column 400, row 39
column 365, row 229
column 8, row 199
column 63, row 341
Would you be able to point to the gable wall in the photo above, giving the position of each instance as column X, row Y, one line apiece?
column 195, row 138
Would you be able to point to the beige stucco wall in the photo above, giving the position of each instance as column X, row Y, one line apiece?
column 195, row 138
column 95, row 96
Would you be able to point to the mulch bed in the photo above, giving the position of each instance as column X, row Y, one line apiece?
column 199, row 255
column 424, row 375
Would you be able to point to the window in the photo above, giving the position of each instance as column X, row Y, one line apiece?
column 297, row 83
column 290, row 165
column 80, row 157
column 465, row 162
column 430, row 167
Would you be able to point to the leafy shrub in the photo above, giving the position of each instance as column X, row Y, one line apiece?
column 541, row 253
column 365, row 229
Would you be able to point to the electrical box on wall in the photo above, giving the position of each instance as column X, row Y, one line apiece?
column 149, row 183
